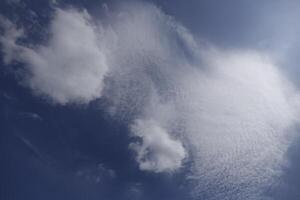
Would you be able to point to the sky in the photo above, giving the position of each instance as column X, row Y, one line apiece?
column 143, row 100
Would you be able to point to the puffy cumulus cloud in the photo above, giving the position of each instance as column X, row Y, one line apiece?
column 70, row 67
column 157, row 151
column 234, row 110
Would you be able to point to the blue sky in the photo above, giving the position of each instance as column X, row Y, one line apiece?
column 149, row 100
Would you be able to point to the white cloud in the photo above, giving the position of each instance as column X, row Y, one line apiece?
column 233, row 109
column 157, row 151
column 238, row 117
column 70, row 67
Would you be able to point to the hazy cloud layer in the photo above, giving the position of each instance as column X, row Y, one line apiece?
column 233, row 110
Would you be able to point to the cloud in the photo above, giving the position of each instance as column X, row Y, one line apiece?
column 238, row 117
column 157, row 151
column 8, row 39
column 70, row 67
column 96, row 174
column 31, row 115
column 233, row 110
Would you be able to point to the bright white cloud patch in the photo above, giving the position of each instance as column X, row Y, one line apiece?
column 70, row 67
column 157, row 151
column 238, row 116
column 233, row 109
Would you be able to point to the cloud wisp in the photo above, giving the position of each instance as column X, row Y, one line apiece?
column 232, row 110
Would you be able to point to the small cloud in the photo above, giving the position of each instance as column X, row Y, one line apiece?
column 31, row 115
column 97, row 174
column 157, row 151
column 134, row 191
column 7, row 96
